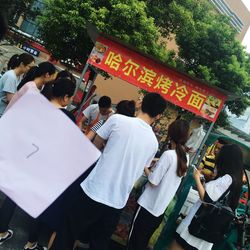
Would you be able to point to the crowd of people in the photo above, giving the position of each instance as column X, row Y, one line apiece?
column 90, row 208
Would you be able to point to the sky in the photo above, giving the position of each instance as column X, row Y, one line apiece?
column 246, row 40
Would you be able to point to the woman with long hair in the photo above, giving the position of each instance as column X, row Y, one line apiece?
column 62, row 91
column 35, row 79
column 38, row 75
column 64, row 74
column 18, row 66
column 163, row 182
column 229, row 165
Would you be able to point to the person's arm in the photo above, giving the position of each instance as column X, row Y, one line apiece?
column 200, row 187
column 85, row 117
column 91, row 135
column 160, row 169
column 99, row 142
column 103, row 133
column 147, row 171
column 9, row 96
column 82, row 121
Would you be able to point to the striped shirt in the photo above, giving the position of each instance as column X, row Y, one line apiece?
column 208, row 164
column 97, row 125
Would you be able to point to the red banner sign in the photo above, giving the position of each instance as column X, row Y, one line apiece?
column 147, row 74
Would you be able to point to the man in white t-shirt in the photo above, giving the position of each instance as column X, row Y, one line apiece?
column 130, row 146
column 96, row 112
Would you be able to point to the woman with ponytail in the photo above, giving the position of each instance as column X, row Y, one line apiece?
column 35, row 79
column 229, row 165
column 62, row 91
column 38, row 75
column 163, row 183
column 18, row 65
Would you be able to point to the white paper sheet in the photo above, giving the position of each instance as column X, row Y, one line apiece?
column 41, row 152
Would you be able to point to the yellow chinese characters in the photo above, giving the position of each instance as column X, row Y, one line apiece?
column 180, row 92
column 163, row 83
column 147, row 76
column 196, row 100
column 130, row 67
column 113, row 60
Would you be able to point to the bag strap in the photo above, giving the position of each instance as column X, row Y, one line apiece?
column 226, row 193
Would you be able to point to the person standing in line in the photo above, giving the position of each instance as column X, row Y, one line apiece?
column 207, row 164
column 229, row 166
column 62, row 93
column 47, row 89
column 20, row 64
column 104, row 193
column 124, row 107
column 96, row 112
column 35, row 78
column 163, row 183
column 38, row 76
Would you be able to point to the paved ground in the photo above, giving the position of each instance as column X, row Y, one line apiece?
column 19, row 226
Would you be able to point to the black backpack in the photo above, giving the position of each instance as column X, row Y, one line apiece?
column 213, row 220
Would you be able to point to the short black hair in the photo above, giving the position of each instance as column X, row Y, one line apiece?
column 66, row 74
column 62, row 87
column 153, row 104
column 104, row 102
column 126, row 107
column 222, row 141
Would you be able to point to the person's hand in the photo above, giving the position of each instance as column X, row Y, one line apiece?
column 197, row 174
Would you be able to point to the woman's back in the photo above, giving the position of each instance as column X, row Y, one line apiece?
column 165, row 180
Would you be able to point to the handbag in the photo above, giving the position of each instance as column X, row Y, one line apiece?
column 213, row 220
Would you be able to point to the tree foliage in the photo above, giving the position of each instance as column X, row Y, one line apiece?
column 208, row 48
column 63, row 26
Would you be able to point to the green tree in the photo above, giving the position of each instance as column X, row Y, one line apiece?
column 63, row 26
column 208, row 48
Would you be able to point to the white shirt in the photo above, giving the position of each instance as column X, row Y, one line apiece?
column 21, row 92
column 155, row 199
column 131, row 146
column 214, row 189
column 196, row 138
column 92, row 111
column 8, row 84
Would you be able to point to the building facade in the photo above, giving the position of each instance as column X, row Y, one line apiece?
column 237, row 12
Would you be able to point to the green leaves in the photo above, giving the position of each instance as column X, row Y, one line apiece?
column 63, row 26
column 207, row 45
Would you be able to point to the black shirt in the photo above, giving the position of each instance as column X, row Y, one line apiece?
column 69, row 114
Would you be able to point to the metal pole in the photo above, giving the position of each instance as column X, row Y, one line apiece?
column 86, row 96
column 78, row 84
column 204, row 139
column 202, row 143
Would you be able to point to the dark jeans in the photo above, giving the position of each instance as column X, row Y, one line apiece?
column 88, row 215
column 6, row 213
column 142, row 228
